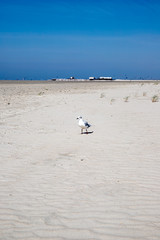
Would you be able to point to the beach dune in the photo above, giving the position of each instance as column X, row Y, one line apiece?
column 58, row 184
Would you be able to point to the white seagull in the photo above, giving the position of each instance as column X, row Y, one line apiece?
column 83, row 124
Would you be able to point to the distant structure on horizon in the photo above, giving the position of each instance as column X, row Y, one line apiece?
column 76, row 79
column 92, row 78
column 100, row 78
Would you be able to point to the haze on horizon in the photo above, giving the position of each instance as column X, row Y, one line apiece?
column 46, row 39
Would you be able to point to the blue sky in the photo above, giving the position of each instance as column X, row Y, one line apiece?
column 63, row 38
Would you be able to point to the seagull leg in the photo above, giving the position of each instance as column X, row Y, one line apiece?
column 81, row 130
column 86, row 131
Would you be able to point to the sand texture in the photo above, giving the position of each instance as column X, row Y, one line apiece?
column 58, row 184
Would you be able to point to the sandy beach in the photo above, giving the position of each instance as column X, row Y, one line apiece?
column 58, row 184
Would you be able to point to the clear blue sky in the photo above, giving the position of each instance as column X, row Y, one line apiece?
column 62, row 38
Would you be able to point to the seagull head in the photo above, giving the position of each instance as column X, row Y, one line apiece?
column 79, row 117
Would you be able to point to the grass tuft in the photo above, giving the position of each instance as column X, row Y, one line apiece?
column 126, row 98
column 40, row 93
column 112, row 100
column 155, row 98
column 102, row 95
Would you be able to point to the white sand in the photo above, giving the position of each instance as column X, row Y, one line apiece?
column 58, row 184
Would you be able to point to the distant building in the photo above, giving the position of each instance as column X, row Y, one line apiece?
column 91, row 78
column 105, row 78
column 52, row 79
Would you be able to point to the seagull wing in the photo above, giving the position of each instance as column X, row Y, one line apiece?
column 86, row 124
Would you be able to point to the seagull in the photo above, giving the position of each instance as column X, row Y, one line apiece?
column 83, row 124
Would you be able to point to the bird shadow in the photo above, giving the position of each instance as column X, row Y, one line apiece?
column 87, row 133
